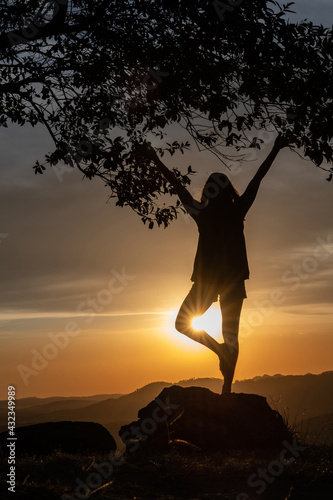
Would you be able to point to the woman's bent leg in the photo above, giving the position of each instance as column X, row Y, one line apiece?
column 199, row 299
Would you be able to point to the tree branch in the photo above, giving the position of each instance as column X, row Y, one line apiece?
column 8, row 40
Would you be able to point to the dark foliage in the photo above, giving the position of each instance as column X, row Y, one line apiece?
column 102, row 76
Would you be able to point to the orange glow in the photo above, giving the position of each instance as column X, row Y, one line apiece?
column 120, row 354
column 210, row 322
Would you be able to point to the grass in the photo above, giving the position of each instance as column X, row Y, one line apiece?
column 174, row 476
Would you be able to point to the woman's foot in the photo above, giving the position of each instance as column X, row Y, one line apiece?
column 228, row 358
column 226, row 389
column 223, row 356
column 222, row 359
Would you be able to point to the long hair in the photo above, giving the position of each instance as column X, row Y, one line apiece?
column 218, row 191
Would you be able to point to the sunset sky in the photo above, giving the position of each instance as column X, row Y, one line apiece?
column 88, row 295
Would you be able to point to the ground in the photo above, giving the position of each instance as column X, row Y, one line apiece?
column 180, row 474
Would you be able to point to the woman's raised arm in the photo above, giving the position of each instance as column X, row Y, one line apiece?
column 250, row 193
column 189, row 203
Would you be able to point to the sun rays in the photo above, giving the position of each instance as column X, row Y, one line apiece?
column 210, row 322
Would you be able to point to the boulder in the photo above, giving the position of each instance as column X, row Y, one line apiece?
column 69, row 437
column 200, row 418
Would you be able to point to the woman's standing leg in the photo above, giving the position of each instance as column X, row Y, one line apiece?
column 199, row 299
column 231, row 311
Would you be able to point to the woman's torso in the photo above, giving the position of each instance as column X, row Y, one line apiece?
column 221, row 252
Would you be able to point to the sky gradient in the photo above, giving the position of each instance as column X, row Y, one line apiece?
column 88, row 295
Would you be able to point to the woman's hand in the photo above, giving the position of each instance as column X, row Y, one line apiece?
column 145, row 151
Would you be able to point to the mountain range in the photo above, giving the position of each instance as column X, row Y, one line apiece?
column 305, row 401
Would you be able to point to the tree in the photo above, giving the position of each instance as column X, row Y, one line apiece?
column 104, row 76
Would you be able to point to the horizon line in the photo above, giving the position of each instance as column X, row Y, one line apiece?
column 178, row 382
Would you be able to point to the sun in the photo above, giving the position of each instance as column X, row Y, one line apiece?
column 210, row 321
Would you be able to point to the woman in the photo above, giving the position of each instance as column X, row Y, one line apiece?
column 220, row 265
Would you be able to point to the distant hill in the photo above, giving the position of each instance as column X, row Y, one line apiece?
column 298, row 397
column 121, row 408
column 34, row 402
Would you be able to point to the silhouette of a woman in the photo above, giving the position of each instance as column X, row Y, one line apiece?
column 220, row 265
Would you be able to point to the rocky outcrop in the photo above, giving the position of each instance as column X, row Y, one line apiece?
column 197, row 417
column 69, row 437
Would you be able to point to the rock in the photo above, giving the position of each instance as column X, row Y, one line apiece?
column 204, row 419
column 69, row 437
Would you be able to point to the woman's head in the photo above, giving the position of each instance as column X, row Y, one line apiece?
column 218, row 190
